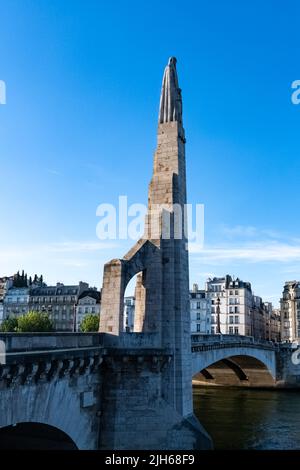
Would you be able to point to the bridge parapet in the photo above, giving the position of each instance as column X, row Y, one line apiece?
column 35, row 358
column 225, row 341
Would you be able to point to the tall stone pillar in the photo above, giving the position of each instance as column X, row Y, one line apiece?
column 167, row 191
column 162, row 255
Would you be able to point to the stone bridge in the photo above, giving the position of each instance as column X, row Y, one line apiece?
column 99, row 391
column 90, row 391
column 233, row 360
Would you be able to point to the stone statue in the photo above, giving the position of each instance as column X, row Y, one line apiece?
column 170, row 108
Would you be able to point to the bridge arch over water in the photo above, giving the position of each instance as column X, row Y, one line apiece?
column 234, row 362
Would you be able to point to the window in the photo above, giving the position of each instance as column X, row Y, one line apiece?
column 231, row 330
column 236, row 319
column 236, row 330
column 93, row 310
column 198, row 315
column 213, row 310
column 86, row 310
column 230, row 309
column 231, row 292
column 212, row 330
column 236, row 309
column 198, row 305
column 198, row 327
column 236, row 292
column 231, row 319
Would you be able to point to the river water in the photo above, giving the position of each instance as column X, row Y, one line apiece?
column 249, row 419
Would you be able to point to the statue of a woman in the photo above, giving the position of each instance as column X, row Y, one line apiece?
column 170, row 99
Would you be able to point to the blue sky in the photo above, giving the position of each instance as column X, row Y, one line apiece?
column 79, row 128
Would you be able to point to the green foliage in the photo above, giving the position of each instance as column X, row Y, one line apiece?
column 34, row 321
column 90, row 323
column 21, row 280
column 9, row 324
column 31, row 321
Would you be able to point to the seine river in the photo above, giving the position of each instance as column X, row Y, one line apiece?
column 249, row 419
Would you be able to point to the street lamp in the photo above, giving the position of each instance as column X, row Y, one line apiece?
column 74, row 318
column 218, row 316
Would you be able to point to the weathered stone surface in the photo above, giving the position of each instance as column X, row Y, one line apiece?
column 160, row 259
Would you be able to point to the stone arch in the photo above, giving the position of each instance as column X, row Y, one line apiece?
column 56, row 403
column 117, row 274
column 247, row 366
column 35, row 436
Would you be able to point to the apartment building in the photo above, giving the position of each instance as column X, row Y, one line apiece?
column 200, row 308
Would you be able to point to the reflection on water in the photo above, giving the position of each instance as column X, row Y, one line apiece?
column 249, row 419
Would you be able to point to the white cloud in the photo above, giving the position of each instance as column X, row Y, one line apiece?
column 239, row 231
column 252, row 252
column 52, row 248
column 249, row 231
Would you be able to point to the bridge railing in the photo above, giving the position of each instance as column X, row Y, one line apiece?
column 218, row 341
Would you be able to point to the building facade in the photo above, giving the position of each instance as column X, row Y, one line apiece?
column 231, row 303
column 59, row 302
column 6, row 283
column 290, row 311
column 275, row 326
column 129, row 308
column 16, row 302
column 200, row 308
column 260, row 319
column 88, row 304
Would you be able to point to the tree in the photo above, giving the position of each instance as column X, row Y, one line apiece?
column 20, row 280
column 34, row 321
column 17, row 280
column 9, row 324
column 90, row 323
